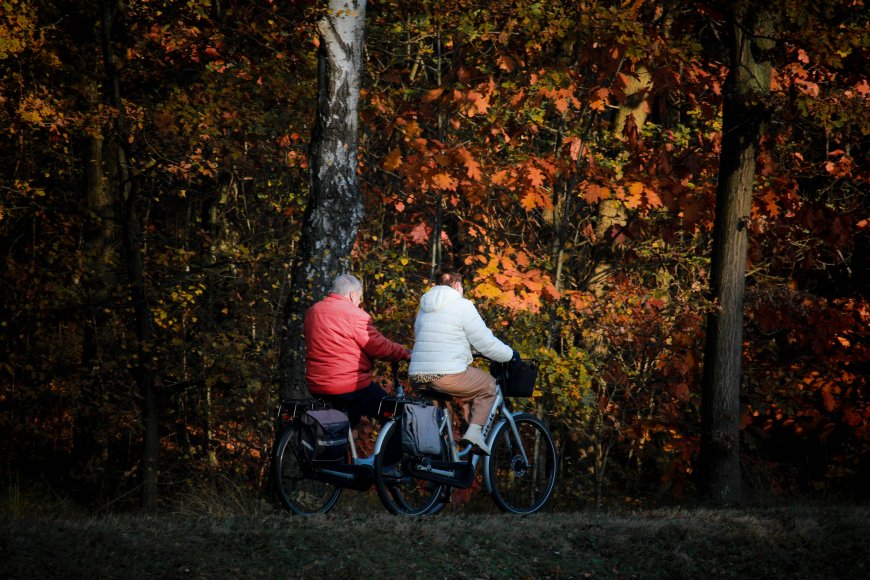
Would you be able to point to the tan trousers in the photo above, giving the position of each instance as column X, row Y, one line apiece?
column 473, row 385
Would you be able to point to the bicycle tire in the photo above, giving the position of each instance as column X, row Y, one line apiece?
column 402, row 494
column 516, row 486
column 297, row 492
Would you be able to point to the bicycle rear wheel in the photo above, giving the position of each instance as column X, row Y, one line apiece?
column 399, row 492
column 520, row 486
column 298, row 493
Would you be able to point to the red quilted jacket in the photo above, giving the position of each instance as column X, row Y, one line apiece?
column 341, row 344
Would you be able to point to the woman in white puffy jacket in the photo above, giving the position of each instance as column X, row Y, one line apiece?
column 448, row 326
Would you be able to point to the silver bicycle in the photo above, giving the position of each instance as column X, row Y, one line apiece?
column 519, row 473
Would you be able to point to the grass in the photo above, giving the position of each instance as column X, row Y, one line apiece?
column 359, row 540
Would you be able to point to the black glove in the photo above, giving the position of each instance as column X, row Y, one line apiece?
column 516, row 357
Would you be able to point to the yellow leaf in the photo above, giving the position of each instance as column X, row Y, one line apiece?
column 491, row 267
column 487, row 291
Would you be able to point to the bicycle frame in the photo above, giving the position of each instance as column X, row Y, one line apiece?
column 449, row 474
column 519, row 474
column 356, row 474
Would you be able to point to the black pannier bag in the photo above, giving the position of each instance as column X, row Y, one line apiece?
column 324, row 435
column 421, row 427
column 517, row 378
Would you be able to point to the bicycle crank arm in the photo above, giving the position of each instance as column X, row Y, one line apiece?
column 359, row 477
column 458, row 474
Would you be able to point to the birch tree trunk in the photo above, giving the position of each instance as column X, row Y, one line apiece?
column 744, row 119
column 335, row 207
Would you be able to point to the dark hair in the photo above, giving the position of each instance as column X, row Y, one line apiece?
column 447, row 276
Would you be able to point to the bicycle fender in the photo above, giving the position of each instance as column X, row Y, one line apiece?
column 389, row 425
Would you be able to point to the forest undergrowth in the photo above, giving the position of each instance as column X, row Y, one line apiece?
column 233, row 537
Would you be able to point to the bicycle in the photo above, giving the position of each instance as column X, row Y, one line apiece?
column 519, row 473
column 308, row 488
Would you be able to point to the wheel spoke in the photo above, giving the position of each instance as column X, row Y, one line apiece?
column 400, row 493
column 521, row 486
column 297, row 492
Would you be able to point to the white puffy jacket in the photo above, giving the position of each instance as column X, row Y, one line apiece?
column 447, row 327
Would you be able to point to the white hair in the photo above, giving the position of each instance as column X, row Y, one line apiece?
column 344, row 284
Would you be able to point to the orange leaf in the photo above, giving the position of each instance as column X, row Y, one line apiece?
column 501, row 177
column 770, row 199
column 535, row 176
column 393, row 160
column 506, row 63
column 599, row 103
column 472, row 167
column 444, row 181
column 634, row 194
column 479, row 103
column 432, row 95
column 522, row 259
column 828, row 398
column 529, row 200
column 652, row 198
column 594, row 193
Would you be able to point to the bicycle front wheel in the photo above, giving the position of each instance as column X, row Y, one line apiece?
column 298, row 493
column 522, row 483
column 399, row 492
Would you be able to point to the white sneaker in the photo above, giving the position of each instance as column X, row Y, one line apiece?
column 474, row 435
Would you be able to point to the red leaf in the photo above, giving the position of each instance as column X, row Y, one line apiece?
column 420, row 234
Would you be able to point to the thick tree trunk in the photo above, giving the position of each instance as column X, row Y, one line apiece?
column 335, row 207
column 744, row 120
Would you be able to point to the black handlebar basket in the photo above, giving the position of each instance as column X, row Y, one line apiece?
column 517, row 379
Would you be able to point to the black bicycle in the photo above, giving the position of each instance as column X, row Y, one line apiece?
column 307, row 487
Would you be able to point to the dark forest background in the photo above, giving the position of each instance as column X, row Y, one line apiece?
column 154, row 179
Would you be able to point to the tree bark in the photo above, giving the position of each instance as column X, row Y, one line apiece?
column 113, row 15
column 90, row 434
column 335, row 207
column 744, row 119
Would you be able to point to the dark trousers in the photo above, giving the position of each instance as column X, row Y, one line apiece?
column 364, row 402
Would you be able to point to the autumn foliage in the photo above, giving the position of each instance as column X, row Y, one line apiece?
column 565, row 154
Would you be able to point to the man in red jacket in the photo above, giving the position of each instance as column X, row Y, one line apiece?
column 341, row 344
